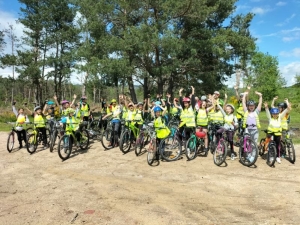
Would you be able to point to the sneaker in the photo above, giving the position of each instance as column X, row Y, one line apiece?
column 232, row 156
column 278, row 160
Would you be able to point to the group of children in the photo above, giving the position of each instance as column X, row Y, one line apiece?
column 193, row 113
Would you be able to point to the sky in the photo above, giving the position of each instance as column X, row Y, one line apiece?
column 276, row 25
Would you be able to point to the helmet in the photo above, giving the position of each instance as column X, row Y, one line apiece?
column 130, row 104
column 37, row 108
column 217, row 93
column 186, row 99
column 157, row 109
column 157, row 103
column 50, row 103
column 64, row 102
column 250, row 102
column 140, row 103
column 282, row 105
column 113, row 101
column 274, row 111
column 232, row 107
column 83, row 97
column 203, row 98
column 70, row 110
column 200, row 134
column 241, row 95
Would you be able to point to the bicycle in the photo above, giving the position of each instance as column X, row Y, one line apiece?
column 248, row 150
column 65, row 143
column 268, row 145
column 212, row 130
column 237, row 135
column 220, row 152
column 143, row 138
column 287, row 144
column 12, row 136
column 36, row 138
column 128, row 134
column 195, row 145
column 56, row 132
column 107, row 141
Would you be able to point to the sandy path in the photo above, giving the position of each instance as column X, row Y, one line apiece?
column 107, row 187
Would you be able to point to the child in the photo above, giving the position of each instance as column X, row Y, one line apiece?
column 275, row 127
column 72, row 124
column 230, row 123
column 162, row 131
column 21, row 119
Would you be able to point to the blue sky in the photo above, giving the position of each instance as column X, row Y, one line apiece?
column 276, row 26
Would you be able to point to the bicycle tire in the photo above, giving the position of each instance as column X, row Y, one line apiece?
column 261, row 147
column 151, row 155
column 53, row 140
column 31, row 143
column 95, row 126
column 105, row 139
column 84, row 140
column 64, row 147
column 140, row 143
column 249, row 156
column 271, row 156
column 220, row 153
column 125, row 142
column 48, row 135
column 200, row 149
column 29, row 130
column 291, row 151
column 170, row 148
column 191, row 148
column 10, row 142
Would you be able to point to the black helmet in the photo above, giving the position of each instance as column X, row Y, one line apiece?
column 251, row 102
column 282, row 105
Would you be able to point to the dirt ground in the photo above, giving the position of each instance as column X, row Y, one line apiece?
column 107, row 187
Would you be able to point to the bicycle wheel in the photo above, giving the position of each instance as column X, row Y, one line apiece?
column 106, row 139
column 191, row 148
column 220, row 153
column 31, row 143
column 248, row 152
column 151, row 156
column 10, row 142
column 29, row 131
column 261, row 147
column 291, row 151
column 125, row 142
column 170, row 148
column 201, row 149
column 53, row 140
column 64, row 147
column 95, row 126
column 84, row 140
column 48, row 135
column 236, row 139
column 271, row 157
column 140, row 143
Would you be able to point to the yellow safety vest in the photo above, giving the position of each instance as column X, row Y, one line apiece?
column 20, row 120
column 284, row 123
column 72, row 123
column 115, row 113
column 202, row 118
column 84, row 110
column 275, row 126
column 162, row 131
column 39, row 120
column 240, row 111
column 187, row 118
column 174, row 110
column 256, row 119
column 217, row 117
column 130, row 115
column 138, row 116
column 228, row 119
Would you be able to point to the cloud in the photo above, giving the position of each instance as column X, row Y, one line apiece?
column 259, row 10
column 289, row 72
column 286, row 21
column 294, row 53
column 280, row 3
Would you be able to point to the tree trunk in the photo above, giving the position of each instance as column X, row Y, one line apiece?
column 146, row 88
column 131, row 89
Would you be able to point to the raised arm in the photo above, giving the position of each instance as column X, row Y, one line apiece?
column 259, row 101
column 14, row 109
column 273, row 101
column 267, row 111
column 74, row 98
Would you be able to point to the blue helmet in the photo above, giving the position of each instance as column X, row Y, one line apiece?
column 50, row 103
column 274, row 111
column 157, row 109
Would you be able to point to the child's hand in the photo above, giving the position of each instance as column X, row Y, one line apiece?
column 266, row 104
column 258, row 93
column 74, row 96
column 275, row 98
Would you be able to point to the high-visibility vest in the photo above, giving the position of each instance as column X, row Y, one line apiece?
column 275, row 126
column 138, row 116
column 256, row 119
column 284, row 123
column 39, row 120
column 72, row 123
column 20, row 120
column 162, row 131
column 174, row 110
column 217, row 117
column 84, row 110
column 130, row 115
column 202, row 118
column 115, row 113
column 187, row 118
column 228, row 119
column 240, row 111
